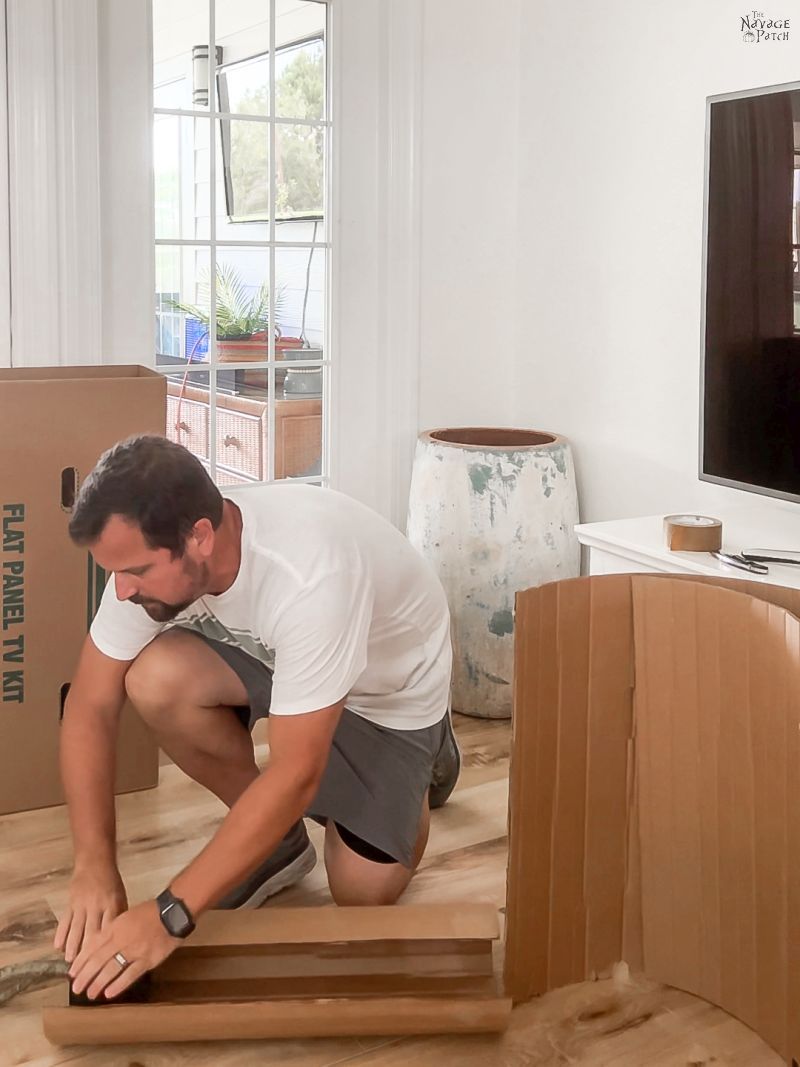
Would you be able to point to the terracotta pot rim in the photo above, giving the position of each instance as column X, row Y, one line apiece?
column 549, row 438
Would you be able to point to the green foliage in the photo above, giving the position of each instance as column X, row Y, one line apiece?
column 249, row 164
column 298, row 169
column 300, row 88
column 239, row 313
column 299, row 92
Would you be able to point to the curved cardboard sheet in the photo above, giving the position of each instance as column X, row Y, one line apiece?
column 655, row 744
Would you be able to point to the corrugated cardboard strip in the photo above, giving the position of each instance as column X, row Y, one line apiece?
column 652, row 818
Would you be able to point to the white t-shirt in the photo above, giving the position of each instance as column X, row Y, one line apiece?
column 330, row 595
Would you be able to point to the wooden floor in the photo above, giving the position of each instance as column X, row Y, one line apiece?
column 615, row 1023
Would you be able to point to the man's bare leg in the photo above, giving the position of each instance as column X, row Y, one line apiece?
column 355, row 880
column 185, row 692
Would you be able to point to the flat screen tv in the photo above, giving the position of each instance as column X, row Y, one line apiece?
column 750, row 396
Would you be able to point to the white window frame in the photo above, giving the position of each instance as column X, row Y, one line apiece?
column 211, row 366
column 98, row 62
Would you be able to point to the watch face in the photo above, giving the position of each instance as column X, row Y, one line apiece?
column 176, row 919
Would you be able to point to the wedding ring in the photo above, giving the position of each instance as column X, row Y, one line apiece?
column 120, row 959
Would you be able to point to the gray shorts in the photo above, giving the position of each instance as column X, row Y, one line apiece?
column 376, row 778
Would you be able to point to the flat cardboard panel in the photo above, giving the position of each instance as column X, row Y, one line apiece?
column 531, row 789
column 444, row 958
column 666, row 742
column 549, row 942
column 309, row 987
column 713, row 813
column 53, row 419
column 569, row 852
column 363, row 968
column 679, row 823
column 303, row 926
column 609, row 740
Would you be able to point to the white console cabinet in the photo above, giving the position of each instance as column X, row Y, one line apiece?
column 639, row 545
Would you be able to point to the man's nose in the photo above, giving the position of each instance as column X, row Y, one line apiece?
column 124, row 586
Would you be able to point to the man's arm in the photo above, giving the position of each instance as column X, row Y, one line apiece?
column 88, row 754
column 299, row 747
column 257, row 822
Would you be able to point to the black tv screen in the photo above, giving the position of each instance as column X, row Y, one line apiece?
column 750, row 427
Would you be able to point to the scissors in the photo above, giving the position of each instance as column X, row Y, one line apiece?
column 733, row 559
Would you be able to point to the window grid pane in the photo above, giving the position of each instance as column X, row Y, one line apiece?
column 241, row 249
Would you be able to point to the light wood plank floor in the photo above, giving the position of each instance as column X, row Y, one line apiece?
column 622, row 1023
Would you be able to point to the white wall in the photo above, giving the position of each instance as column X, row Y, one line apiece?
column 469, row 244
column 608, row 311
column 5, row 236
column 562, row 157
column 376, row 249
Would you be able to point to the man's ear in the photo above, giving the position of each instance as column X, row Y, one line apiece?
column 203, row 536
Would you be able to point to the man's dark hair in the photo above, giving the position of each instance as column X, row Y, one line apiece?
column 152, row 482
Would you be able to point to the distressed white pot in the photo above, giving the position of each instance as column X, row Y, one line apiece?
column 494, row 511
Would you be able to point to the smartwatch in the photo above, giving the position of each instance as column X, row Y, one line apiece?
column 175, row 916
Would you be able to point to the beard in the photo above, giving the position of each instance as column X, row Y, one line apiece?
column 160, row 610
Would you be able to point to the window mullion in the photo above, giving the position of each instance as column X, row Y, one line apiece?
column 272, row 288
column 184, row 254
column 212, row 231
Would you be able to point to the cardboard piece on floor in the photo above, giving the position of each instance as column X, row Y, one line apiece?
column 311, row 972
column 655, row 743
column 395, row 1016
column 54, row 424
column 302, row 926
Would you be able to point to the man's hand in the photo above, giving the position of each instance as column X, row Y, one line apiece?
column 96, row 896
column 137, row 936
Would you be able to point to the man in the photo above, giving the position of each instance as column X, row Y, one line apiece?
column 287, row 600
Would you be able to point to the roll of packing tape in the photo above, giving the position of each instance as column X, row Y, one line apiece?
column 693, row 533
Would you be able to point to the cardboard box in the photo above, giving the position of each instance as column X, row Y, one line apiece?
column 655, row 747
column 54, row 424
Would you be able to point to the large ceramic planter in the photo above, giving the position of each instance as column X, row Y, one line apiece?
column 494, row 511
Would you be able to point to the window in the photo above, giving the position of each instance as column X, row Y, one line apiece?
column 243, row 88
column 241, row 246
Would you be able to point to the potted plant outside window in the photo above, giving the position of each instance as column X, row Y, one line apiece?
column 242, row 316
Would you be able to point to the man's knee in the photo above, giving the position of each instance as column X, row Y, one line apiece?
column 155, row 679
column 355, row 881
column 177, row 670
column 355, row 896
